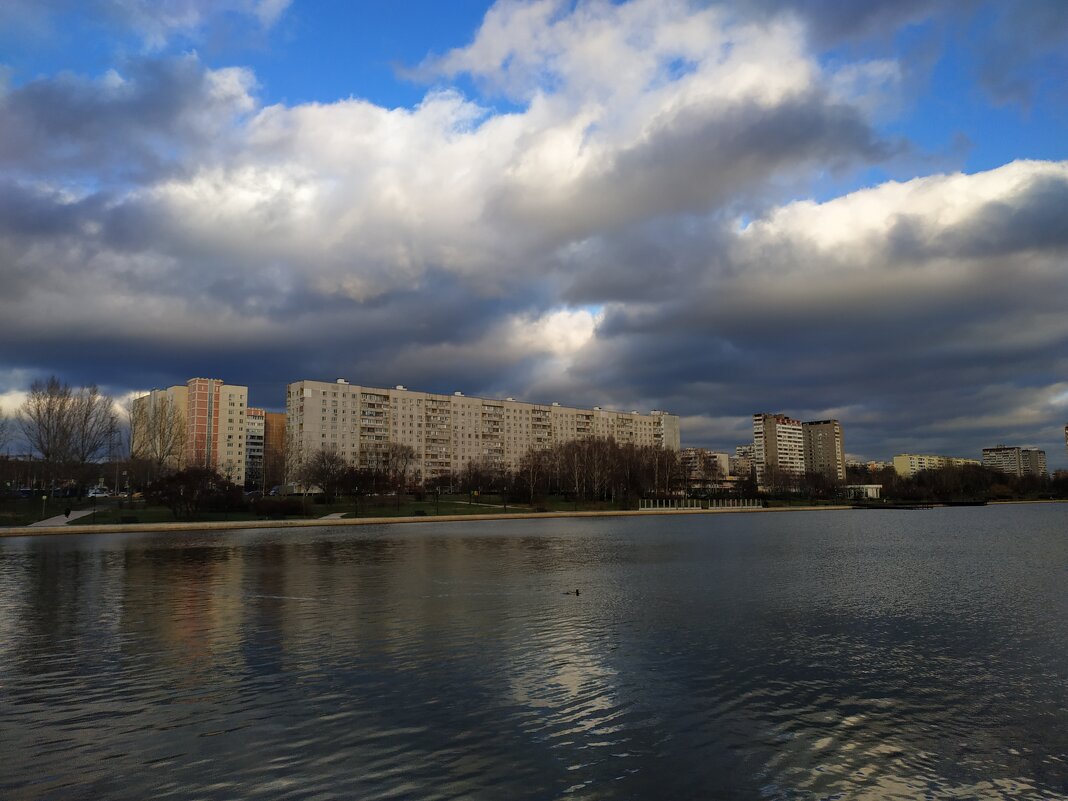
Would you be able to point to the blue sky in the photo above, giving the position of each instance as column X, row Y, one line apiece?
column 835, row 209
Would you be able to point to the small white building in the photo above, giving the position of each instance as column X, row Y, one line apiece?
column 864, row 492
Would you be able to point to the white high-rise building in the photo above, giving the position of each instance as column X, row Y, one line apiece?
column 448, row 432
column 778, row 445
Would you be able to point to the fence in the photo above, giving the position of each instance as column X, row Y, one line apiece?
column 669, row 504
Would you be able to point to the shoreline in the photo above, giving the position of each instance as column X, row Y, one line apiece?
column 248, row 525
column 239, row 525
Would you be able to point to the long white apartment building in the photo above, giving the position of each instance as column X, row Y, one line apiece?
column 1016, row 461
column 448, row 432
column 907, row 465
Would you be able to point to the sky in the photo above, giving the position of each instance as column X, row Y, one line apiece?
column 823, row 208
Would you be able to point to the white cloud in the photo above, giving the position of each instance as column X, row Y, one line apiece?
column 560, row 333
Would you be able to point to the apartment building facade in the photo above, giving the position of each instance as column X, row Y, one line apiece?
column 778, row 446
column 449, row 432
column 158, row 427
column 274, row 447
column 792, row 448
column 907, row 465
column 824, row 448
column 254, row 432
column 216, row 422
column 1015, row 461
column 704, row 468
column 213, row 416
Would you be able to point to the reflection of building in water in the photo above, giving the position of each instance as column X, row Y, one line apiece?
column 189, row 600
column 201, row 424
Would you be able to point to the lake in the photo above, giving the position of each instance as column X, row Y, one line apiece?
column 802, row 655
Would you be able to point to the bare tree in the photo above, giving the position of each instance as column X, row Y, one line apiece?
column 399, row 459
column 65, row 426
column 274, row 464
column 5, row 430
column 532, row 471
column 93, row 423
column 45, row 420
column 327, row 470
column 157, row 430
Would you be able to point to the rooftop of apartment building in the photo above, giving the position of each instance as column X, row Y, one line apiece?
column 459, row 394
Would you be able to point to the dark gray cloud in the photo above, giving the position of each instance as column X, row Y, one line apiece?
column 834, row 21
column 954, row 339
column 150, row 118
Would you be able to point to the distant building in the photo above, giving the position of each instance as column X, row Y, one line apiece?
column 864, row 492
column 740, row 466
column 824, row 449
column 778, row 446
column 704, row 468
column 908, row 464
column 449, row 432
column 793, row 448
column 742, row 463
column 216, row 427
column 1015, row 461
column 213, row 416
column 158, row 427
column 274, row 448
column 254, row 425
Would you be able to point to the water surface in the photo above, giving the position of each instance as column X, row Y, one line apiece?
column 854, row 655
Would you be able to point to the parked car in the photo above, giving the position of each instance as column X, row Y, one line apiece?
column 98, row 492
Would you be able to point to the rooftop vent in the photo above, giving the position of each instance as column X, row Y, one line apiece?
column 342, row 381
column 555, row 403
column 597, row 408
column 510, row 399
column 458, row 394
column 401, row 386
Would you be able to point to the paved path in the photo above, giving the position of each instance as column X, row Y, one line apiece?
column 62, row 520
column 333, row 516
column 237, row 525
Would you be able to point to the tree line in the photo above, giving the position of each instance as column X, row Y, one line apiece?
column 66, row 428
column 964, row 483
column 595, row 469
